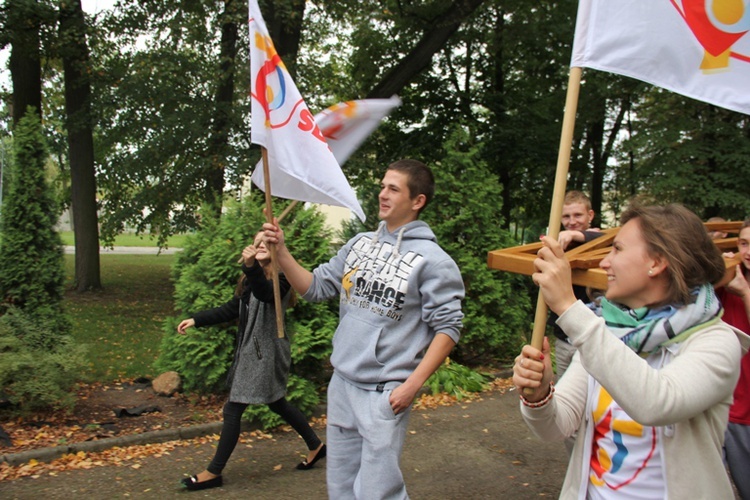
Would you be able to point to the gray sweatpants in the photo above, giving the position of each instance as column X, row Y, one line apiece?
column 364, row 440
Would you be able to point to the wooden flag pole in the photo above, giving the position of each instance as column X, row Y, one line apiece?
column 558, row 194
column 272, row 250
column 287, row 210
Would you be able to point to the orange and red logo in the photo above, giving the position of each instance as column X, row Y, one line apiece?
column 277, row 95
column 717, row 25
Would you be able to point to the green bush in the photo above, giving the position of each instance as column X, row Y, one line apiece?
column 457, row 380
column 205, row 275
column 497, row 306
column 35, row 372
column 32, row 273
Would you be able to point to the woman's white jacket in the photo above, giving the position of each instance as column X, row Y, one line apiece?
column 688, row 399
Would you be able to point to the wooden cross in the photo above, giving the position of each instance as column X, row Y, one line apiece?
column 584, row 259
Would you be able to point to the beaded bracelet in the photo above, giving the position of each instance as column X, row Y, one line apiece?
column 541, row 403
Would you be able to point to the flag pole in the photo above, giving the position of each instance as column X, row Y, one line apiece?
column 287, row 210
column 272, row 250
column 558, row 193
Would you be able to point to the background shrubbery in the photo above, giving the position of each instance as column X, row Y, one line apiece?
column 463, row 215
column 39, row 363
column 37, row 370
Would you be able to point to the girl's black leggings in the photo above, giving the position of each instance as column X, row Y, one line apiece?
column 230, row 430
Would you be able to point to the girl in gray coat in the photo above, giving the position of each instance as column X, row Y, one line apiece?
column 260, row 369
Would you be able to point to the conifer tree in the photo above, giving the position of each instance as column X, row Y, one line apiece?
column 31, row 256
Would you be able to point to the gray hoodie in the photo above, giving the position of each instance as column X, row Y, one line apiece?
column 397, row 291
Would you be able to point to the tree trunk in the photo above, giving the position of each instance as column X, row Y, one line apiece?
column 602, row 144
column 285, row 29
column 420, row 56
column 597, row 186
column 223, row 107
column 75, row 56
column 23, row 27
column 496, row 103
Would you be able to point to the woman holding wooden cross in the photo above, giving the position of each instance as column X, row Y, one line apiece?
column 649, row 389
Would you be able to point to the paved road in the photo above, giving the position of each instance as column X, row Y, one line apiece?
column 479, row 450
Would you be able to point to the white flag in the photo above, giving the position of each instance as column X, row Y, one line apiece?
column 301, row 165
column 347, row 124
column 698, row 48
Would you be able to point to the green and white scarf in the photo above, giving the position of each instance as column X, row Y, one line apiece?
column 645, row 330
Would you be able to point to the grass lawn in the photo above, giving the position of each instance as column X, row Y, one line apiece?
column 122, row 325
column 131, row 240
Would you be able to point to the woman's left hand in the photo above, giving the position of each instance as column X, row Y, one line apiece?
column 248, row 255
column 553, row 276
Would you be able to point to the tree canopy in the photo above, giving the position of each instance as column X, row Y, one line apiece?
column 170, row 104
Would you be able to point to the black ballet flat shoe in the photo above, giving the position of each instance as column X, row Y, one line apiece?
column 192, row 484
column 304, row 465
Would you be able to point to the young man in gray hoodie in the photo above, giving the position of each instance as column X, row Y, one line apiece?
column 400, row 315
